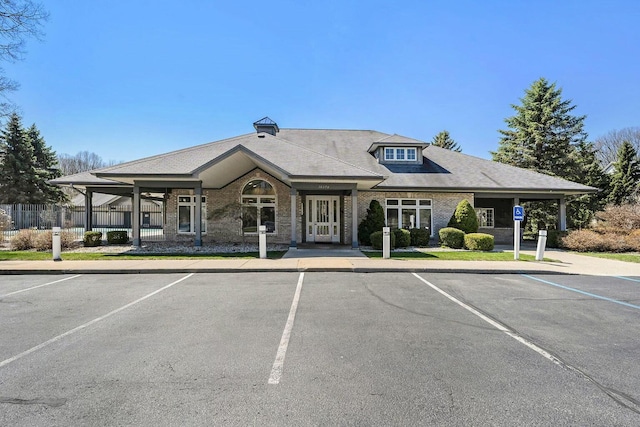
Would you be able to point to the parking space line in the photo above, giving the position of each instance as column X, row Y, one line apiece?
column 278, row 364
column 499, row 326
column 627, row 278
column 85, row 325
column 40, row 286
column 626, row 304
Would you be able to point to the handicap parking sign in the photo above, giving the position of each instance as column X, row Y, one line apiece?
column 518, row 213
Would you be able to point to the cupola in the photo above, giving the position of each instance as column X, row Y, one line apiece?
column 266, row 125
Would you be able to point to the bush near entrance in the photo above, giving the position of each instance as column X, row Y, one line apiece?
column 376, row 240
column 92, row 238
column 452, row 237
column 479, row 242
column 464, row 218
column 403, row 238
column 373, row 221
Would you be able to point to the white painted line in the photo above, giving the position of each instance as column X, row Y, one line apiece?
column 40, row 286
column 83, row 326
column 499, row 326
column 627, row 278
column 278, row 364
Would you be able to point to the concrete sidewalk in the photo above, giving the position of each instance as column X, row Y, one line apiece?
column 351, row 260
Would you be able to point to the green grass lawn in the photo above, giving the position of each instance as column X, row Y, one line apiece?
column 89, row 256
column 454, row 256
column 619, row 257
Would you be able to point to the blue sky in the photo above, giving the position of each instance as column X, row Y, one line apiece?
column 128, row 79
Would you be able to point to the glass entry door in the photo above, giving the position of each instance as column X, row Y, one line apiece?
column 323, row 219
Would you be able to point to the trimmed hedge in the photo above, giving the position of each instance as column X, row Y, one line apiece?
column 464, row 218
column 92, row 238
column 117, row 237
column 376, row 240
column 452, row 237
column 419, row 237
column 403, row 238
column 479, row 241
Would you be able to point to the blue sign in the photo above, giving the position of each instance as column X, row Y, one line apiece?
column 518, row 213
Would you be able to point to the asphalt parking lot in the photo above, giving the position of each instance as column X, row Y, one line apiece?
column 319, row 349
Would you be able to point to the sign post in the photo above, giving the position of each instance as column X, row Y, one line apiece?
column 518, row 216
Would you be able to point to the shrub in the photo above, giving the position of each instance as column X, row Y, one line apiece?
column 92, row 238
column 464, row 218
column 403, row 238
column 24, row 240
column 625, row 217
column 376, row 240
column 593, row 241
column 373, row 221
column 419, row 237
column 479, row 241
column 554, row 238
column 451, row 237
column 44, row 240
column 117, row 237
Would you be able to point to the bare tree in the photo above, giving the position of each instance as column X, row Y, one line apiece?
column 81, row 162
column 607, row 145
column 19, row 21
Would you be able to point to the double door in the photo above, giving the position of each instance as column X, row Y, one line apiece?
column 323, row 219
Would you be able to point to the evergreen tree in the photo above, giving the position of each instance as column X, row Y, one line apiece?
column 374, row 221
column 17, row 170
column 46, row 169
column 581, row 209
column 443, row 139
column 464, row 218
column 542, row 136
column 543, row 133
column 625, row 178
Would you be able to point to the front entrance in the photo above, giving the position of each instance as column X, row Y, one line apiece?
column 323, row 219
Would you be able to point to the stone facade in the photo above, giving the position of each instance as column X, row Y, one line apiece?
column 222, row 211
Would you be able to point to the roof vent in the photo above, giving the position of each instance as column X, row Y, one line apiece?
column 266, row 125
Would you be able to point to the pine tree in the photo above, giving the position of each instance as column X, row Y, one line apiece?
column 625, row 180
column 581, row 209
column 46, row 169
column 443, row 140
column 543, row 133
column 374, row 221
column 17, row 170
column 542, row 136
column 464, row 218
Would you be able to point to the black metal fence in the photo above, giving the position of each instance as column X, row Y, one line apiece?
column 14, row 218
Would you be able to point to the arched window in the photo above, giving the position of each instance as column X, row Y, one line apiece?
column 258, row 206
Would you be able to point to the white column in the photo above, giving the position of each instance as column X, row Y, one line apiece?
column 135, row 220
column 198, row 216
column 354, row 219
column 294, row 218
column 562, row 214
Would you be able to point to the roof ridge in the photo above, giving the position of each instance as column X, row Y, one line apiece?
column 326, row 155
column 180, row 151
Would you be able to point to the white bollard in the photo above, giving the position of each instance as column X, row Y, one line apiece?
column 386, row 242
column 542, row 242
column 263, row 241
column 56, row 244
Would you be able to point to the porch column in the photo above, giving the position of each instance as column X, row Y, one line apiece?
column 562, row 214
column 294, row 218
column 354, row 219
column 135, row 221
column 198, row 216
column 88, row 210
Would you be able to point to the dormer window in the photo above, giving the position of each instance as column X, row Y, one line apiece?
column 400, row 154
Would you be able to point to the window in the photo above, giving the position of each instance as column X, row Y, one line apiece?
column 187, row 214
column 400, row 154
column 388, row 154
column 485, row 217
column 258, row 207
column 408, row 213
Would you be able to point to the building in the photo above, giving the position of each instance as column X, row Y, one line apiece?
column 315, row 185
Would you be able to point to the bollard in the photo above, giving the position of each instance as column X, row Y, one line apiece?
column 56, row 244
column 263, row 241
column 542, row 242
column 386, row 242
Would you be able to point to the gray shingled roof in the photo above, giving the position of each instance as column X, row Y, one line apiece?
column 318, row 153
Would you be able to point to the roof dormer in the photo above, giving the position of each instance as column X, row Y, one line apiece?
column 398, row 149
